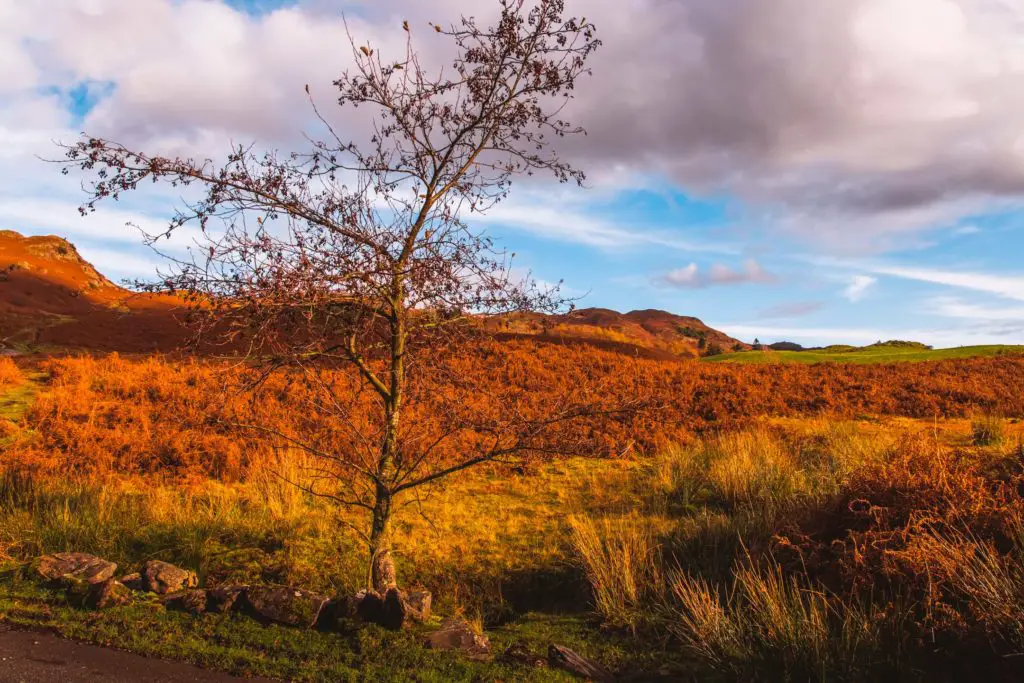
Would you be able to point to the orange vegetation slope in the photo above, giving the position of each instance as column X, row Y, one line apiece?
column 153, row 415
column 50, row 295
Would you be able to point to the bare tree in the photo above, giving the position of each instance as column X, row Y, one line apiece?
column 357, row 254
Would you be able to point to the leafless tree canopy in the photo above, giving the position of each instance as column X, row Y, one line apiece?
column 357, row 254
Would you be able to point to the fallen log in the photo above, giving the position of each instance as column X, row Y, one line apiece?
column 563, row 658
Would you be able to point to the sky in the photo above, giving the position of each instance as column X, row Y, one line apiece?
column 820, row 172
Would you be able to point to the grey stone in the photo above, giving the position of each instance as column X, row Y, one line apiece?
column 133, row 581
column 456, row 634
column 225, row 598
column 563, row 658
column 291, row 606
column 193, row 601
column 417, row 604
column 163, row 577
column 108, row 594
column 78, row 566
column 369, row 607
column 103, row 595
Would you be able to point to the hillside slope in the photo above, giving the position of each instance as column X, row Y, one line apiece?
column 664, row 334
column 51, row 297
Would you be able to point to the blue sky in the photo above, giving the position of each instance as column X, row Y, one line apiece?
column 819, row 172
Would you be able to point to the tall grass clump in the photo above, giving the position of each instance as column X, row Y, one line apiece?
column 765, row 470
column 988, row 583
column 764, row 625
column 988, row 430
column 620, row 558
column 830, row 551
column 10, row 374
column 753, row 468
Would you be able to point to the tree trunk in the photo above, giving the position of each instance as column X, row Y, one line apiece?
column 382, row 566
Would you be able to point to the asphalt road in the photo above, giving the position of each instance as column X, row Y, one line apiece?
column 31, row 657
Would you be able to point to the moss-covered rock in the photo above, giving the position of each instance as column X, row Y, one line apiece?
column 193, row 601
column 109, row 593
column 163, row 578
column 291, row 606
column 69, row 567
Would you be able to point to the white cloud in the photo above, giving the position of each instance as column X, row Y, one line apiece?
column 967, row 230
column 1008, row 286
column 682, row 277
column 952, row 307
column 718, row 274
column 859, row 287
column 61, row 217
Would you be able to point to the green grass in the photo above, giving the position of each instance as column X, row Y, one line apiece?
column 16, row 400
column 881, row 354
column 492, row 547
column 240, row 645
column 665, row 542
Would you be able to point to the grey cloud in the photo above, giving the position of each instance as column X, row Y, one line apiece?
column 770, row 101
column 855, row 125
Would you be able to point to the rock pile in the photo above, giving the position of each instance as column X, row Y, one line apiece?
column 89, row 583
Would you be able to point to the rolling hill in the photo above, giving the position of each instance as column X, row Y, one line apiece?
column 652, row 333
column 50, row 297
column 877, row 353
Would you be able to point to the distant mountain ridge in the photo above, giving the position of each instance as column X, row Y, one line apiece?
column 50, row 295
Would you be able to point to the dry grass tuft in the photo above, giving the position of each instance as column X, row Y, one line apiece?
column 10, row 374
column 988, row 430
column 622, row 563
column 825, row 552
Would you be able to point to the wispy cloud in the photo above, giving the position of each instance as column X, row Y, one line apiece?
column 859, row 287
column 952, row 307
column 797, row 309
column 550, row 217
column 967, row 230
column 691, row 277
column 1008, row 286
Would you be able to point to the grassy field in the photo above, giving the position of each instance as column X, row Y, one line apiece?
column 782, row 549
column 676, row 566
column 495, row 549
column 880, row 354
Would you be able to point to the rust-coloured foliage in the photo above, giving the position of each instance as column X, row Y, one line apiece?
column 9, row 372
column 177, row 418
